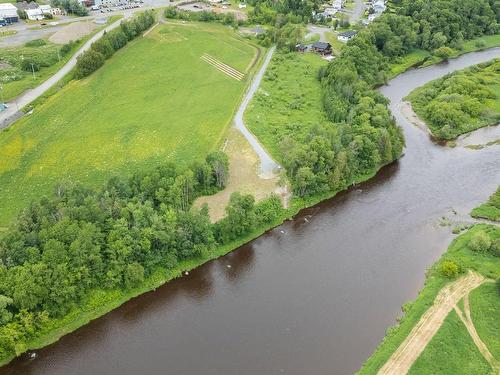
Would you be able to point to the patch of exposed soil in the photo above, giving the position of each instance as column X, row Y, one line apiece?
column 72, row 32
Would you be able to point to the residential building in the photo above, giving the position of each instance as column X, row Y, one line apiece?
column 35, row 14
column 8, row 12
column 346, row 35
column 322, row 48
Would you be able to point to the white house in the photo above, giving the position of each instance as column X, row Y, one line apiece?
column 8, row 12
column 242, row 5
column 34, row 14
column 330, row 11
column 346, row 35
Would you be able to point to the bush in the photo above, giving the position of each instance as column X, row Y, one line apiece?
column 104, row 47
column 66, row 48
column 480, row 242
column 88, row 62
column 444, row 53
column 30, row 65
column 449, row 269
column 35, row 43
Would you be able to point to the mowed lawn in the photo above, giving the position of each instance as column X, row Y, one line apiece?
column 155, row 100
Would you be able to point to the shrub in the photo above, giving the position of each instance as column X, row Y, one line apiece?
column 104, row 47
column 443, row 52
column 495, row 247
column 449, row 269
column 480, row 242
column 35, row 43
column 29, row 65
column 88, row 62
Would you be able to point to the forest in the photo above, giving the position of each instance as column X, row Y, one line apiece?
column 363, row 135
column 460, row 102
column 81, row 240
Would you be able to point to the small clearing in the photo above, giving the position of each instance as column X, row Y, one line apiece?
column 414, row 344
column 243, row 176
column 72, row 32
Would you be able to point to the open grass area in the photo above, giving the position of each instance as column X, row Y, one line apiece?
column 284, row 106
column 49, row 53
column 460, row 102
column 459, row 251
column 174, row 106
column 451, row 352
column 489, row 210
column 485, row 312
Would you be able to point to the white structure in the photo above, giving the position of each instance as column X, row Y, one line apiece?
column 34, row 14
column 330, row 11
column 8, row 12
column 242, row 5
column 338, row 4
column 347, row 35
column 106, row 3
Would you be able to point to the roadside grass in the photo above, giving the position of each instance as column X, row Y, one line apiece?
column 15, row 88
column 485, row 312
column 460, row 102
column 459, row 252
column 114, row 123
column 7, row 32
column 489, row 210
column 451, row 352
column 283, row 106
column 336, row 44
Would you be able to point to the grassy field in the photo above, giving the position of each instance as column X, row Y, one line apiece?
column 460, row 102
column 489, row 210
column 174, row 106
column 451, row 352
column 48, row 52
column 282, row 105
column 459, row 252
column 485, row 310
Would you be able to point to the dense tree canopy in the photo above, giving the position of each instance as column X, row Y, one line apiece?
column 81, row 240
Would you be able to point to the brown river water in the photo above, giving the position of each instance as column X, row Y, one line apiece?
column 313, row 296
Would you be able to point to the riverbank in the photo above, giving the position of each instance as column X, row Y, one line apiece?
column 459, row 252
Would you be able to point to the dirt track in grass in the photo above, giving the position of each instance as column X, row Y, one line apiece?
column 403, row 358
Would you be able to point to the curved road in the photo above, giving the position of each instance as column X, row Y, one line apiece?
column 29, row 96
column 267, row 164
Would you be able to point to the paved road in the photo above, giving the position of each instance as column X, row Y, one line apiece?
column 357, row 13
column 29, row 96
column 267, row 164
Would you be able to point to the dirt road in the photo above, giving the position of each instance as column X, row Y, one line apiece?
column 267, row 164
column 404, row 357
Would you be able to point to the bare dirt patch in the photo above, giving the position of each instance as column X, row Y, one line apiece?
column 243, row 177
column 423, row 332
column 72, row 32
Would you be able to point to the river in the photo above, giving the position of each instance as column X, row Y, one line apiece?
column 313, row 296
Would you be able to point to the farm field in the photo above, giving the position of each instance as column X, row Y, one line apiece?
column 114, row 122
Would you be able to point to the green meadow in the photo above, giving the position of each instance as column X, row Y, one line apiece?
column 154, row 100
column 288, row 101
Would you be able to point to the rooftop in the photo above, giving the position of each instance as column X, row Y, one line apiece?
column 348, row 34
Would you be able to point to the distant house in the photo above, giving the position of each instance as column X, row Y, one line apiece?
column 346, row 35
column 301, row 48
column 242, row 5
column 34, row 14
column 322, row 48
column 8, row 12
column 330, row 12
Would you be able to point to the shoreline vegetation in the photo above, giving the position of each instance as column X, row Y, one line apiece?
column 460, row 102
column 478, row 249
column 369, row 139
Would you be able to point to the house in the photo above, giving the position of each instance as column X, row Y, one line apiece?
column 301, row 48
column 242, row 5
column 8, row 12
column 322, row 48
column 346, row 35
column 330, row 12
column 35, row 14
column 338, row 4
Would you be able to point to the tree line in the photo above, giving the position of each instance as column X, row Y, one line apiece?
column 363, row 134
column 101, row 50
column 64, row 247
